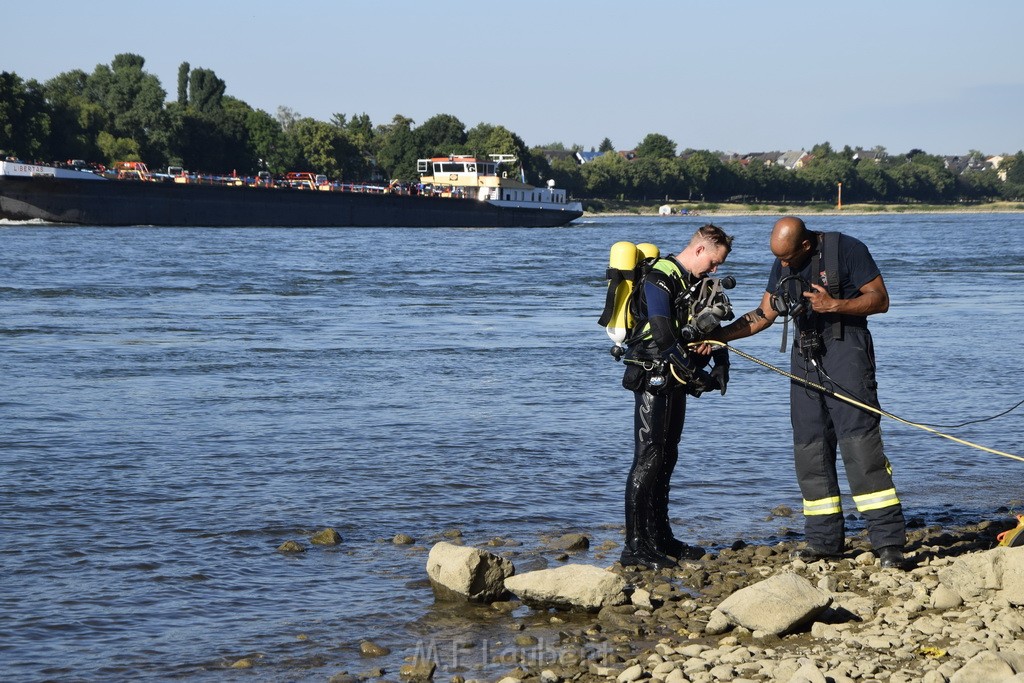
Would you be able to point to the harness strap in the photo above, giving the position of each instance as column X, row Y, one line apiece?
column 615, row 278
column 828, row 248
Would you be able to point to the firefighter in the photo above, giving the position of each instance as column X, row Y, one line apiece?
column 829, row 284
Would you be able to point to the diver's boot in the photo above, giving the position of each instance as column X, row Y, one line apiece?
column 636, row 554
column 673, row 547
column 640, row 548
column 660, row 529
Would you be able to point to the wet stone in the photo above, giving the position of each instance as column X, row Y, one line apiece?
column 420, row 670
column 291, row 547
column 368, row 648
column 326, row 537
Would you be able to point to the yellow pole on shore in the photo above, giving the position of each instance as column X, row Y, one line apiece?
column 839, row 206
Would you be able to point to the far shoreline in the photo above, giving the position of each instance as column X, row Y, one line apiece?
column 595, row 208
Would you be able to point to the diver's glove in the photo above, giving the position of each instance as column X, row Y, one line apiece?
column 720, row 372
column 690, row 373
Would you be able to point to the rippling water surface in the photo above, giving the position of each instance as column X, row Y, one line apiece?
column 179, row 402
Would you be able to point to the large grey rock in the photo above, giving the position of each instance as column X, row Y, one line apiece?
column 808, row 673
column 458, row 572
column 578, row 586
column 776, row 605
column 981, row 576
column 984, row 667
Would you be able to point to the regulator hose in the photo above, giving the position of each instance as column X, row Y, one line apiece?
column 853, row 401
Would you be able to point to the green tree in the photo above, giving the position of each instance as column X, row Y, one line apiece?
column 396, row 149
column 123, row 149
column 567, row 174
column 765, row 182
column 24, row 117
column 1015, row 168
column 183, row 70
column 267, row 144
column 605, row 176
column 76, row 121
column 441, row 135
column 606, row 146
column 326, row 149
column 979, row 185
column 822, row 150
column 287, row 117
column 233, row 126
column 923, row 177
column 1013, row 187
column 648, row 177
column 132, row 101
column 656, row 146
column 707, row 176
column 205, row 91
column 823, row 173
column 875, row 183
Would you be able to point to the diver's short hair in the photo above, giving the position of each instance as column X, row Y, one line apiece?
column 715, row 235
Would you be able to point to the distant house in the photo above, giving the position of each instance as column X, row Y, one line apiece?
column 994, row 162
column 869, row 155
column 557, row 154
column 760, row 158
column 628, row 154
column 963, row 164
column 793, row 159
column 587, row 157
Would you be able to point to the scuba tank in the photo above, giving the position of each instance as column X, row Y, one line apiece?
column 624, row 263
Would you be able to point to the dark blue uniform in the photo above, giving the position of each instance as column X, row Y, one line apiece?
column 821, row 422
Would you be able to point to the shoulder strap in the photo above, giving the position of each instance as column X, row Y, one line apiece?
column 667, row 268
column 615, row 278
column 830, row 255
column 829, row 250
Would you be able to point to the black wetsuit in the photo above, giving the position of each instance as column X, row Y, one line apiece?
column 658, row 416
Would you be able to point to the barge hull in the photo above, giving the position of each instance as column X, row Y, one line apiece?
column 124, row 203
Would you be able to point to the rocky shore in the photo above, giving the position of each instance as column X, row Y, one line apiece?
column 750, row 613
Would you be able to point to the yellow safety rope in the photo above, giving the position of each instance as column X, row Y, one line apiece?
column 853, row 401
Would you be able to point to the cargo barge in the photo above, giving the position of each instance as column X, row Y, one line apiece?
column 454, row 191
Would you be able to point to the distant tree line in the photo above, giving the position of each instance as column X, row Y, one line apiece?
column 120, row 112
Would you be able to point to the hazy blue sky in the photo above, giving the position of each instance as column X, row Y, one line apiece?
column 745, row 75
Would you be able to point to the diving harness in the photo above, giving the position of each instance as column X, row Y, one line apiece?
column 704, row 305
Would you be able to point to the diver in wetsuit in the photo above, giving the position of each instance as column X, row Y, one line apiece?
column 661, row 371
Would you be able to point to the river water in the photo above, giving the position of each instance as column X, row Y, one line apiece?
column 179, row 402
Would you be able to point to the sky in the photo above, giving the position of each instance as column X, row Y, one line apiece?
column 739, row 76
